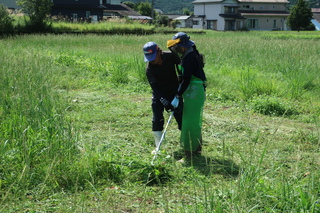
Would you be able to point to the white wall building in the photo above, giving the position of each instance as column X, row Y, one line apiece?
column 184, row 21
column 240, row 14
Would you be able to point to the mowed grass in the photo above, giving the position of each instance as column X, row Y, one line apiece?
column 76, row 136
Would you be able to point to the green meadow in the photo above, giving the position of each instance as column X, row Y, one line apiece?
column 75, row 126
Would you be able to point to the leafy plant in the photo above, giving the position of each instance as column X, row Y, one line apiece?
column 38, row 12
column 119, row 73
column 272, row 106
column 6, row 22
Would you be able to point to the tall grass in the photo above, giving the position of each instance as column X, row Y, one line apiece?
column 36, row 137
column 75, row 127
column 21, row 25
column 105, row 27
column 249, row 66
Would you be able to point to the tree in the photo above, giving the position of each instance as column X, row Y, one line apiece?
column 161, row 20
column 300, row 16
column 175, row 23
column 129, row 4
column 144, row 8
column 5, row 20
column 38, row 12
column 186, row 11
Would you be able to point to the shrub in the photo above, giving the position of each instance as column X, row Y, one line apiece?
column 38, row 12
column 6, row 22
column 273, row 107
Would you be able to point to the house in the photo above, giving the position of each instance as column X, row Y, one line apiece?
column 240, row 14
column 217, row 15
column 316, row 13
column 184, row 21
column 265, row 14
column 92, row 9
column 316, row 17
column 171, row 17
column 11, row 4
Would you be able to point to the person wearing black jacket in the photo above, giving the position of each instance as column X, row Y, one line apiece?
column 162, row 76
column 191, row 90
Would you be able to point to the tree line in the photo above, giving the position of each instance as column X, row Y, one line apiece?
column 168, row 6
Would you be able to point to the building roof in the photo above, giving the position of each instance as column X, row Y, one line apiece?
column 316, row 24
column 206, row 1
column 171, row 16
column 241, row 1
column 316, row 17
column 70, row 6
column 182, row 18
column 263, row 1
column 274, row 13
column 140, row 17
column 122, row 9
column 315, row 10
column 316, row 14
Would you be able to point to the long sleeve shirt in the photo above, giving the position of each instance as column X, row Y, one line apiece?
column 163, row 78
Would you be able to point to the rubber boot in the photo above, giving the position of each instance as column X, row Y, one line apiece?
column 157, row 137
column 199, row 149
column 190, row 154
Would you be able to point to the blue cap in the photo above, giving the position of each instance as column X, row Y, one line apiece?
column 150, row 50
column 184, row 39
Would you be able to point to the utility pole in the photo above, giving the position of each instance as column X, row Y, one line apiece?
column 152, row 10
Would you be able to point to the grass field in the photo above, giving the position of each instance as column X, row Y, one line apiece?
column 75, row 126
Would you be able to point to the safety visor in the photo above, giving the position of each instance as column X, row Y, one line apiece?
column 171, row 43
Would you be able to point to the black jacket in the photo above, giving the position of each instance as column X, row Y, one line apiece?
column 163, row 78
column 191, row 66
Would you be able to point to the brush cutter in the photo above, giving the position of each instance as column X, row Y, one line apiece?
column 162, row 138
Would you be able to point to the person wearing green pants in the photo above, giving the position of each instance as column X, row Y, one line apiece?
column 191, row 90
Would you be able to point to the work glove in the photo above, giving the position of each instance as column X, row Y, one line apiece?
column 175, row 101
column 166, row 104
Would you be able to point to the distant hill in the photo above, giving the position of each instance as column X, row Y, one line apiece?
column 312, row 3
column 170, row 6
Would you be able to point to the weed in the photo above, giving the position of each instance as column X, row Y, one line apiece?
column 119, row 73
column 273, row 106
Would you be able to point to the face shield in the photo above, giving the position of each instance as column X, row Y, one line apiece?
column 173, row 46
